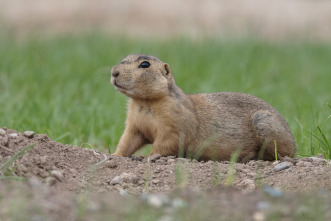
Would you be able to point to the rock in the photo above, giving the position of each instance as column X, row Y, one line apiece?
column 37, row 185
column 28, row 134
column 124, row 178
column 318, row 161
column 157, row 170
column 50, row 181
column 259, row 216
column 155, row 181
column 123, row 192
column 34, row 182
column 263, row 205
column 154, row 157
column 57, row 174
column 251, row 163
column 170, row 157
column 155, row 200
column 43, row 174
column 272, row 191
column 171, row 160
column 13, row 135
column 111, row 164
column 2, row 132
column 116, row 180
column 282, row 166
column 137, row 158
column 178, row 203
column 129, row 177
column 161, row 161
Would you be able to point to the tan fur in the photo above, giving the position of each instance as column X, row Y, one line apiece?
column 203, row 126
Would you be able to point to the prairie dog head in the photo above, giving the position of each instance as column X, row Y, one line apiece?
column 142, row 77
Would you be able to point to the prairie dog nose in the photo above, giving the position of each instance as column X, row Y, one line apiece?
column 115, row 73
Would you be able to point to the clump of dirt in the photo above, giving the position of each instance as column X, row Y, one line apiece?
column 69, row 182
column 68, row 168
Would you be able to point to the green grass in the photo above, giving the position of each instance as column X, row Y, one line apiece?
column 5, row 170
column 60, row 85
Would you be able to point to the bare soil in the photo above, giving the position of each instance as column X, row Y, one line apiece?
column 60, row 175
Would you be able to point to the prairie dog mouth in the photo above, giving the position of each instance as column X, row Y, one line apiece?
column 118, row 86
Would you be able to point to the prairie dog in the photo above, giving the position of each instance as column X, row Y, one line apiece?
column 206, row 126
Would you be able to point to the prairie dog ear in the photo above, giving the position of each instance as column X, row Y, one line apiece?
column 166, row 71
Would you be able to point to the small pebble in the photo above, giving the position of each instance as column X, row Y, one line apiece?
column 116, row 180
column 263, row 205
column 43, row 174
column 171, row 157
column 282, row 166
column 251, row 163
column 123, row 192
column 50, row 181
column 154, row 157
column 111, row 164
column 318, row 161
column 157, row 170
column 141, row 182
column 129, row 177
column 258, row 216
column 178, row 203
column 28, row 134
column 2, row 132
column 160, row 161
column 57, row 174
column 34, row 182
column 272, row 191
column 13, row 135
column 156, row 200
column 155, row 181
column 137, row 158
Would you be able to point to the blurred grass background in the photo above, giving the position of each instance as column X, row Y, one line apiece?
column 59, row 84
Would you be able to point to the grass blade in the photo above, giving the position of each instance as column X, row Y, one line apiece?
column 4, row 167
column 13, row 178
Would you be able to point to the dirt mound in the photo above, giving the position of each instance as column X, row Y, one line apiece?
column 66, row 167
column 72, row 183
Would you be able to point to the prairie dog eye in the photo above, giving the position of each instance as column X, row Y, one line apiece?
column 144, row 64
